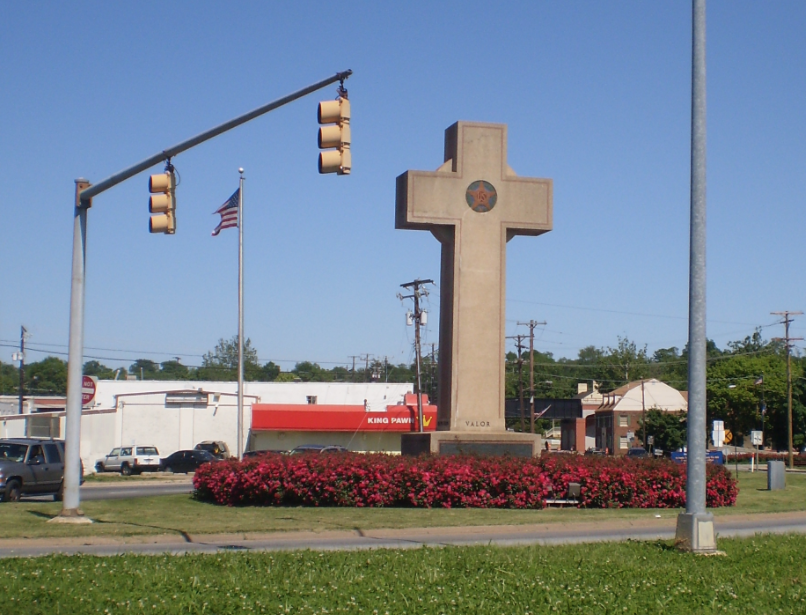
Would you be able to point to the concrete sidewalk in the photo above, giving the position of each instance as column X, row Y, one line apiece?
column 661, row 527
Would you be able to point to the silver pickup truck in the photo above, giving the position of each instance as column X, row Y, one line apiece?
column 29, row 466
column 130, row 460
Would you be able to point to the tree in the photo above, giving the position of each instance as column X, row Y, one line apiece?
column 9, row 379
column 311, row 372
column 48, row 376
column 667, row 428
column 174, row 370
column 735, row 397
column 222, row 363
column 101, row 371
column 267, row 373
column 225, row 354
column 145, row 369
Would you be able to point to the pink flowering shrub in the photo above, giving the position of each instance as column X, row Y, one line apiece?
column 353, row 479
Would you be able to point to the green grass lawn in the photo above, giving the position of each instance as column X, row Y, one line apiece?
column 178, row 514
column 758, row 575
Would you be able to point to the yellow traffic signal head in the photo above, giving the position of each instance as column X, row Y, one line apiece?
column 337, row 113
column 162, row 203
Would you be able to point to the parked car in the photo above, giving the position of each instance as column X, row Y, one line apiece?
column 130, row 460
column 637, row 452
column 215, row 447
column 30, row 466
column 249, row 454
column 186, row 461
column 317, row 448
column 595, row 451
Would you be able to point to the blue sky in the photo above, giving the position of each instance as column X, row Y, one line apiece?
column 596, row 96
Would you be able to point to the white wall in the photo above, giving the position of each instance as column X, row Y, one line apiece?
column 135, row 412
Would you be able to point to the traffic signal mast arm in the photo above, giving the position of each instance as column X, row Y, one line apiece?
column 87, row 194
column 166, row 222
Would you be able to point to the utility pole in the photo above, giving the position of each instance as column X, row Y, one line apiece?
column 519, row 343
column 365, row 357
column 432, row 371
column 643, row 412
column 788, row 341
column 353, row 357
column 532, row 324
column 415, row 286
column 21, row 357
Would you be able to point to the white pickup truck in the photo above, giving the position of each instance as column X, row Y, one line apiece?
column 130, row 460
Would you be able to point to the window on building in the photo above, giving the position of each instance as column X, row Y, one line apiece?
column 43, row 427
column 623, row 420
column 623, row 442
column 311, row 399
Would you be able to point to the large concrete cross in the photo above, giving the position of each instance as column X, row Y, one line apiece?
column 473, row 204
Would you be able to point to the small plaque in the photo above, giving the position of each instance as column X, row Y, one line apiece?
column 481, row 196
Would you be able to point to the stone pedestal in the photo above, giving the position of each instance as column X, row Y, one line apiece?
column 509, row 443
column 695, row 533
column 776, row 475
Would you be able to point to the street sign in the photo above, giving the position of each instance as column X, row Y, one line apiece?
column 755, row 437
column 714, row 457
column 88, row 386
column 650, row 440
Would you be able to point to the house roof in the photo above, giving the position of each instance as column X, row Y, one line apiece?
column 645, row 395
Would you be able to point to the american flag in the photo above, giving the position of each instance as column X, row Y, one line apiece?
column 228, row 212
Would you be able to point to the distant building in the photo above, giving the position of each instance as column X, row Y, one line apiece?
column 175, row 415
column 618, row 417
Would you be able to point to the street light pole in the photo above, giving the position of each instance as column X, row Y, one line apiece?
column 695, row 527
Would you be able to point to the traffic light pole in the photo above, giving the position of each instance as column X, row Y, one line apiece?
column 83, row 201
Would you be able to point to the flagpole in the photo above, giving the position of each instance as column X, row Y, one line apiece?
column 239, row 427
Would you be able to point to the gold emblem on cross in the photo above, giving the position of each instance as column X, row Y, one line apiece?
column 481, row 196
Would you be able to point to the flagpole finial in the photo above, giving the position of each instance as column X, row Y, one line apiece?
column 240, row 170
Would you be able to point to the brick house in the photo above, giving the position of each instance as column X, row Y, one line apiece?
column 618, row 418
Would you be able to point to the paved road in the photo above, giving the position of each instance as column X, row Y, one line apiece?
column 549, row 534
column 134, row 489
column 140, row 489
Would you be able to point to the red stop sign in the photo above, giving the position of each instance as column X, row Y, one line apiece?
column 88, row 386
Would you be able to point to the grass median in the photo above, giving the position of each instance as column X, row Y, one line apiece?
column 756, row 575
column 181, row 515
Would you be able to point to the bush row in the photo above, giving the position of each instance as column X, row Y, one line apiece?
column 353, row 479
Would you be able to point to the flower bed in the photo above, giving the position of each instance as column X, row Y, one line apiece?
column 452, row 482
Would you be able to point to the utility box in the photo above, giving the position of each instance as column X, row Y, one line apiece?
column 776, row 475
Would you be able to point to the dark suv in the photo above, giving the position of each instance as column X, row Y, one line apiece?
column 637, row 452
column 29, row 466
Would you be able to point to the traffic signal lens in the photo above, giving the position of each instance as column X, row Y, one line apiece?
column 160, row 183
column 159, row 203
column 158, row 224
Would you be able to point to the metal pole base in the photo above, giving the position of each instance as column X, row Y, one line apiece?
column 695, row 533
column 70, row 515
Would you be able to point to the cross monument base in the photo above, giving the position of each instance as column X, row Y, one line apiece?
column 510, row 443
column 695, row 533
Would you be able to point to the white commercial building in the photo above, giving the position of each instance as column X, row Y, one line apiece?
column 175, row 415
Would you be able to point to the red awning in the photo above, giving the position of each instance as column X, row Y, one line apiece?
column 315, row 417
